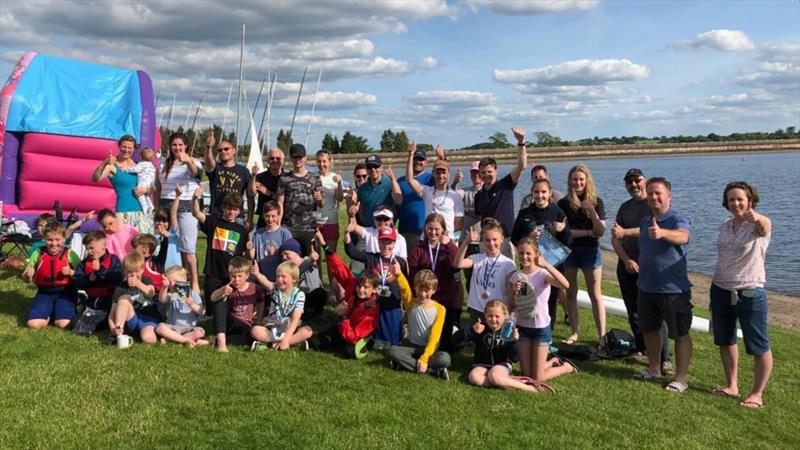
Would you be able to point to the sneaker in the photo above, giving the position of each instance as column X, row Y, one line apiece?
column 304, row 346
column 668, row 369
column 443, row 374
column 361, row 348
column 637, row 358
column 393, row 365
column 258, row 346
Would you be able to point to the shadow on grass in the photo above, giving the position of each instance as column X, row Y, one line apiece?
column 16, row 298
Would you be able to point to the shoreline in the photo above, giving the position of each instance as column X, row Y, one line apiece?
column 783, row 309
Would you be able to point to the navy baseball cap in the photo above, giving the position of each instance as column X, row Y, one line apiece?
column 373, row 160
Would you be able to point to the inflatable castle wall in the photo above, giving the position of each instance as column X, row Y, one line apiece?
column 59, row 119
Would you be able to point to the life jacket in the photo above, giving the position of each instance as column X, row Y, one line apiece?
column 48, row 271
column 106, row 289
column 151, row 272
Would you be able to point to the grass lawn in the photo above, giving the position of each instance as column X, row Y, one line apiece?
column 61, row 390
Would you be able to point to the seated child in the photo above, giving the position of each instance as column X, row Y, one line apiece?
column 393, row 286
column 51, row 268
column 282, row 326
column 267, row 240
column 145, row 178
column 425, row 318
column 145, row 244
column 234, row 304
column 133, row 310
column 99, row 273
column 310, row 282
column 38, row 232
column 182, row 308
column 359, row 309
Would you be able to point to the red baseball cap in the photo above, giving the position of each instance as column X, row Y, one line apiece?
column 387, row 233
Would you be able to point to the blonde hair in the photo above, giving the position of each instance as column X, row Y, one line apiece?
column 590, row 192
column 239, row 264
column 176, row 270
column 133, row 262
column 529, row 241
column 289, row 268
column 425, row 280
column 496, row 304
column 146, row 154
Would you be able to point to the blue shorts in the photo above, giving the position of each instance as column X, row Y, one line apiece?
column 751, row 311
column 55, row 303
column 137, row 323
column 489, row 366
column 539, row 336
column 584, row 258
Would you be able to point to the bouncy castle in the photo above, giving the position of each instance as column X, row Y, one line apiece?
column 59, row 119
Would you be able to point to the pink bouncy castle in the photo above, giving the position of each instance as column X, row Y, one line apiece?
column 59, row 119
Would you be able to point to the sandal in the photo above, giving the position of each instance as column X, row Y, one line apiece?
column 676, row 387
column 721, row 392
column 570, row 341
column 751, row 404
column 645, row 375
column 562, row 361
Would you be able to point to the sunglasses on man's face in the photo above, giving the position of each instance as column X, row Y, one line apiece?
column 373, row 167
column 275, row 158
column 633, row 181
column 224, row 149
column 382, row 219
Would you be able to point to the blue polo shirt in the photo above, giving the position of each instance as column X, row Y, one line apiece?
column 373, row 195
column 662, row 266
column 412, row 212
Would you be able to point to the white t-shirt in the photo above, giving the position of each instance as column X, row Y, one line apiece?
column 489, row 275
column 370, row 237
column 180, row 174
column 329, row 213
column 445, row 202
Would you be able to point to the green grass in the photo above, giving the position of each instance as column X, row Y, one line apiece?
column 61, row 390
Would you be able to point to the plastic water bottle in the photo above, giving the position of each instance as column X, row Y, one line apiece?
column 507, row 331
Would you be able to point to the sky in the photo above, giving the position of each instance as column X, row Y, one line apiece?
column 447, row 72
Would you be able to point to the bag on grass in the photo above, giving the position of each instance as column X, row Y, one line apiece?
column 619, row 343
column 88, row 321
column 577, row 351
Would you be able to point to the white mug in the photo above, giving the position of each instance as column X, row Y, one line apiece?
column 124, row 341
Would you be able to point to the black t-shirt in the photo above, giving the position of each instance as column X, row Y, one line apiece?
column 223, row 180
column 579, row 221
column 270, row 181
column 630, row 215
column 146, row 306
column 225, row 240
column 498, row 202
column 532, row 216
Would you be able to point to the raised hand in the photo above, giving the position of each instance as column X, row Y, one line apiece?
column 320, row 238
column 351, row 225
column 95, row 264
column 198, row 193
column 440, row 152
column 110, row 159
column 539, row 260
column 412, row 147
column 353, row 210
column 473, row 234
column 254, row 172
column 389, row 172
column 559, row 226
column 342, row 308
column 271, row 250
column 617, row 232
column 210, row 141
column 227, row 290
column 587, row 206
column 750, row 216
column 459, row 176
column 337, row 179
column 519, row 133
column 655, row 231
column 318, row 197
column 478, row 327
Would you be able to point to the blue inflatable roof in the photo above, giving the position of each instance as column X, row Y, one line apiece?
column 76, row 98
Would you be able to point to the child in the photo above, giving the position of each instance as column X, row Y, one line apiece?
column 491, row 268
column 310, row 282
column 425, row 321
column 233, row 305
column 226, row 239
column 166, row 227
column 528, row 300
column 99, row 272
column 38, row 234
column 359, row 309
column 183, row 308
column 267, row 240
column 51, row 268
column 145, row 177
column 393, row 286
column 282, row 327
column 118, row 234
column 491, row 365
column 145, row 244
column 133, row 307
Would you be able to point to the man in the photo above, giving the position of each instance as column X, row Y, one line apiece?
column 664, row 289
column 539, row 172
column 378, row 190
column 266, row 182
column 496, row 198
column 381, row 218
column 439, row 198
column 411, row 213
column 227, row 176
column 625, row 240
column 299, row 196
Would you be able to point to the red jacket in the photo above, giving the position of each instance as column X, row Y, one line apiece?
column 48, row 271
column 362, row 316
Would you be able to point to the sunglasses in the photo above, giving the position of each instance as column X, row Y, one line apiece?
column 382, row 219
column 275, row 158
column 224, row 149
column 373, row 167
column 634, row 181
column 361, row 177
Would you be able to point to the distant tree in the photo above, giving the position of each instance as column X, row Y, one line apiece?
column 428, row 148
column 499, row 140
column 400, row 141
column 331, row 143
column 387, row 141
column 284, row 140
column 545, row 139
column 354, row 144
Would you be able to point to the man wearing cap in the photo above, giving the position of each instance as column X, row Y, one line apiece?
column 625, row 240
column 439, row 198
column 539, row 172
column 299, row 196
column 382, row 218
column 227, row 176
column 411, row 213
column 266, row 182
column 378, row 190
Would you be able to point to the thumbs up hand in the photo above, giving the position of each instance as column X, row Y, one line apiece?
column 478, row 327
column 655, row 231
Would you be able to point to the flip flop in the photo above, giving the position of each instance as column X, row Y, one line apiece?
column 539, row 386
column 563, row 361
column 676, row 387
column 569, row 341
column 720, row 392
column 751, row 405
column 645, row 375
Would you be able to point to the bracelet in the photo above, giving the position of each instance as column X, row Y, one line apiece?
column 521, row 145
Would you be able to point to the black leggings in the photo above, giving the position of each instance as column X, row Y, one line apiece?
column 331, row 339
column 236, row 331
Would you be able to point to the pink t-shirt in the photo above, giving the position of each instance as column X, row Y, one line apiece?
column 740, row 257
column 119, row 243
column 531, row 303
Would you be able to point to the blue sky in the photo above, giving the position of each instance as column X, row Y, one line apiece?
column 449, row 72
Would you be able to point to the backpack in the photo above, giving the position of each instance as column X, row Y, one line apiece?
column 619, row 343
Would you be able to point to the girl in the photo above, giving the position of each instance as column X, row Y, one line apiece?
column 332, row 194
column 491, row 365
column 530, row 290
column 586, row 216
column 437, row 253
column 490, row 269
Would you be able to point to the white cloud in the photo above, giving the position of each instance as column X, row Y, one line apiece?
column 462, row 99
column 531, row 7
column 323, row 121
column 429, row 62
column 330, row 100
column 783, row 52
column 721, row 40
column 579, row 72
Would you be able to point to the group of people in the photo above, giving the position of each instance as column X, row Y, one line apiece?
column 409, row 239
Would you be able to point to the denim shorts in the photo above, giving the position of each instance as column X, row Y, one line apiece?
column 538, row 336
column 489, row 367
column 749, row 306
column 584, row 258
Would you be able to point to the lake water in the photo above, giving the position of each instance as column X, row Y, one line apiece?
column 697, row 185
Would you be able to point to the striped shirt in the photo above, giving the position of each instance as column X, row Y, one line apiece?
column 180, row 175
column 740, row 257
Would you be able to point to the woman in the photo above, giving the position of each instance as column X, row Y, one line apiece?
column 333, row 194
column 737, row 291
column 181, row 169
column 437, row 253
column 117, row 169
column 542, row 214
column 586, row 216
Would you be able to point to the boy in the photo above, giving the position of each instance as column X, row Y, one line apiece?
column 267, row 240
column 382, row 217
column 282, row 327
column 145, row 244
column 234, row 303
column 359, row 309
column 97, row 275
column 51, row 268
column 393, row 286
column 133, row 307
column 310, row 282
column 183, row 308
column 425, row 321
column 226, row 239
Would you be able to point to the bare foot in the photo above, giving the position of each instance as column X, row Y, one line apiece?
column 189, row 344
column 222, row 349
column 201, row 342
column 163, row 341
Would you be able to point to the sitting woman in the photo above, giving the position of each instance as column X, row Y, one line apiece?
column 118, row 233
